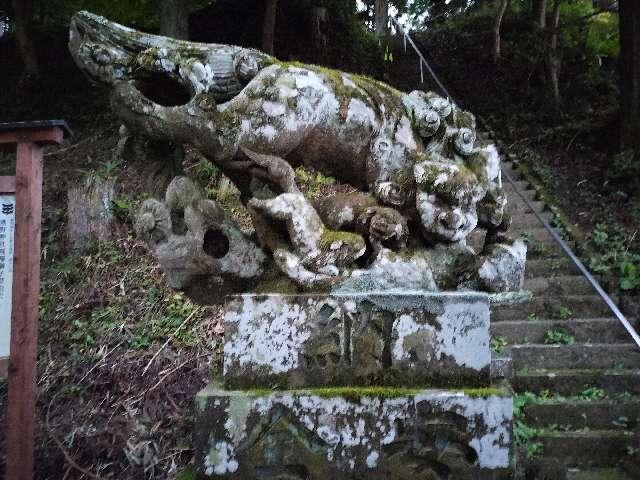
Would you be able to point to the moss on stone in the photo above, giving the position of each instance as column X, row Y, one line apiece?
column 484, row 392
column 405, row 179
column 277, row 285
column 356, row 393
column 330, row 236
column 366, row 88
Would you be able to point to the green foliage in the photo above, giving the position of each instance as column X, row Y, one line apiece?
column 206, row 174
column 528, row 239
column 440, row 9
column 312, row 183
column 603, row 38
column 168, row 320
column 104, row 171
column 351, row 45
column 592, row 394
column 632, row 451
column 67, row 269
column 558, row 337
column 524, row 434
column 139, row 14
column 498, row 344
column 122, row 209
column 613, row 253
column 124, row 303
column 108, row 170
column 629, row 276
column 539, row 249
column 563, row 313
column 544, row 174
column 625, row 172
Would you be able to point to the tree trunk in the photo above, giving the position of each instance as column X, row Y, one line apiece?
column 23, row 10
column 630, row 72
column 269, row 26
column 502, row 8
column 319, row 38
column 539, row 13
column 174, row 19
column 381, row 17
column 553, row 57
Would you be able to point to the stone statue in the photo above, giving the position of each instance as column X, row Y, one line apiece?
column 423, row 182
column 342, row 306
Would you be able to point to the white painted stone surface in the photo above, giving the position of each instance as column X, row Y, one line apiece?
column 353, row 433
column 446, row 334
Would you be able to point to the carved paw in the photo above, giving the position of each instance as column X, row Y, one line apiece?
column 153, row 222
column 391, row 193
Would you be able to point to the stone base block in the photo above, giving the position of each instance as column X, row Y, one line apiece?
column 350, row 433
column 408, row 338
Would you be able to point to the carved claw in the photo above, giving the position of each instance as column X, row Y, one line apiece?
column 271, row 168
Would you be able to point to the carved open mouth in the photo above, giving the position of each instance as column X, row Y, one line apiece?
column 163, row 89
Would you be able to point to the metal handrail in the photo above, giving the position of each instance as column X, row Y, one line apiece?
column 578, row 263
column 407, row 37
column 559, row 240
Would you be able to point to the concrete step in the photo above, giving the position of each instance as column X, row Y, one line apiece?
column 598, row 474
column 550, row 267
column 516, row 205
column 553, row 307
column 558, row 285
column 530, row 195
column 584, row 414
column 572, row 382
column 577, row 355
column 522, row 220
column 596, row 448
column 547, row 241
column 522, row 185
column 601, row 330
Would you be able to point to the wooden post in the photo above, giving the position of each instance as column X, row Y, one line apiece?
column 29, row 136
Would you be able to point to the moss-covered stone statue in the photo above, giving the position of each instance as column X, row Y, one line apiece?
column 423, row 181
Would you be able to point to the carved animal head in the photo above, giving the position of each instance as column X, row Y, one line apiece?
column 167, row 71
column 455, row 174
column 447, row 199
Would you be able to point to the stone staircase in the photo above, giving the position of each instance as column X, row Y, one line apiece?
column 573, row 362
column 575, row 367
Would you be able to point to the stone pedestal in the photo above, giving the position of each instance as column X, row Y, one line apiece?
column 353, row 433
column 355, row 386
column 294, row 341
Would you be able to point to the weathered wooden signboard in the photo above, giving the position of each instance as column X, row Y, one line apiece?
column 7, row 232
column 20, row 225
